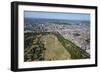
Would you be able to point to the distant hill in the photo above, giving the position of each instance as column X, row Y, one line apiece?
column 58, row 21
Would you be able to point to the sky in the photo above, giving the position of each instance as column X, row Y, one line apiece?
column 57, row 15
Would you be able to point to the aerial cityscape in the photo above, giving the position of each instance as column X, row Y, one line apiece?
column 50, row 36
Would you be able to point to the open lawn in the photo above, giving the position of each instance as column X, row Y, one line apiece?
column 54, row 49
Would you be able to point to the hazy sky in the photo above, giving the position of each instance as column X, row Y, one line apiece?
column 55, row 15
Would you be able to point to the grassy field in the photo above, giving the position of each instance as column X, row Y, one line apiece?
column 54, row 49
column 50, row 46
